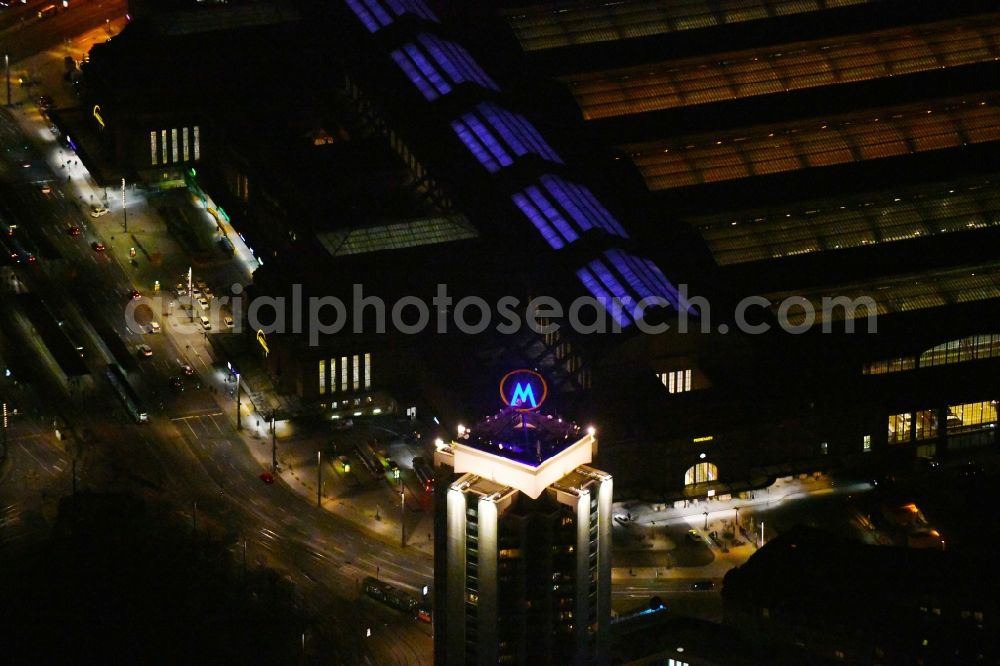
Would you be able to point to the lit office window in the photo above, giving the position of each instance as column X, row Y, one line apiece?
column 173, row 144
column 357, row 373
column 164, row 158
column 184, row 143
column 368, row 371
column 343, row 374
column 152, row 148
column 972, row 416
column 867, row 446
column 926, row 422
column 333, row 375
column 899, row 428
column 322, row 377
column 197, row 143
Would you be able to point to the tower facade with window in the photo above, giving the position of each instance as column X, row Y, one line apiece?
column 523, row 550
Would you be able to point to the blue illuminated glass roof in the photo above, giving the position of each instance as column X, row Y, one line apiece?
column 377, row 14
column 495, row 136
column 618, row 277
column 562, row 211
column 435, row 65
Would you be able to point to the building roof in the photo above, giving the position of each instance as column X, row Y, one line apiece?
column 556, row 24
column 528, row 451
column 843, row 139
column 852, row 221
column 781, row 68
column 397, row 236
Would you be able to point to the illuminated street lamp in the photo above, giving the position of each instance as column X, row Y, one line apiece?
column 239, row 405
column 124, row 210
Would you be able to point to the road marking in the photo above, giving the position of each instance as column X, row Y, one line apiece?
column 196, row 416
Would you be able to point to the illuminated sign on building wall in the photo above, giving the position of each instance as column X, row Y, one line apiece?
column 524, row 390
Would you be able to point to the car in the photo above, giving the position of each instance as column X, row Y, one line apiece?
column 144, row 350
column 195, row 292
column 154, row 327
column 203, row 303
column 423, row 613
column 186, row 368
column 926, row 462
column 206, row 324
column 228, row 321
column 98, row 211
column 693, row 535
column 177, row 384
column 267, row 477
column 26, row 165
column 73, row 230
column 345, row 462
column 703, row 585
column 45, row 189
column 98, row 246
column 45, row 102
column 207, row 292
column 134, row 295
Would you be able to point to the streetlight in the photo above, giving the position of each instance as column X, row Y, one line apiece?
column 402, row 518
column 736, row 526
column 124, row 210
column 6, row 68
column 762, row 534
column 239, row 406
column 706, row 519
column 319, row 478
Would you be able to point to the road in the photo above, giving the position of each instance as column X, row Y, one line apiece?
column 189, row 454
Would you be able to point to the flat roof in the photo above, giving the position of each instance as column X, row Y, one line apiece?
column 531, row 479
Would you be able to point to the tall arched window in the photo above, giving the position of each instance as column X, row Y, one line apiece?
column 701, row 473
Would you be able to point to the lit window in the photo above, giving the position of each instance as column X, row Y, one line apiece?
column 152, row 148
column 368, row 371
column 867, row 446
column 677, row 381
column 197, row 143
column 163, row 147
column 333, row 375
column 899, row 428
column 701, row 473
column 343, row 374
column 357, row 373
column 322, row 377
column 184, row 143
column 173, row 144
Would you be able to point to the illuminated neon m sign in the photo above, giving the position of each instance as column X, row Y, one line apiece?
column 524, row 390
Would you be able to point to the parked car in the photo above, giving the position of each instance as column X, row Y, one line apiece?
column 144, row 350
column 98, row 211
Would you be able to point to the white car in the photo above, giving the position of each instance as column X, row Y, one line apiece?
column 228, row 321
column 203, row 302
column 98, row 211
column 154, row 327
column 144, row 350
column 206, row 324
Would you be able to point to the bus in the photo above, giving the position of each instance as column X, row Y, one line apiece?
column 425, row 474
column 133, row 405
column 371, row 459
column 389, row 595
